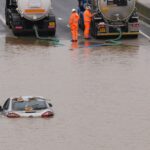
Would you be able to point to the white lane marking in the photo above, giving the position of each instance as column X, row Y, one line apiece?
column 59, row 18
column 145, row 24
column 2, row 19
column 68, row 25
column 2, row 35
column 145, row 35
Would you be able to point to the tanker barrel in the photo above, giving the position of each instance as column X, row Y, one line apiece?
column 114, row 10
column 34, row 9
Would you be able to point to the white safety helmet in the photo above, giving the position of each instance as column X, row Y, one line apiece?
column 73, row 10
column 88, row 7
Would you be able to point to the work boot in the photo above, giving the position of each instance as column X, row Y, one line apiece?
column 87, row 38
column 74, row 40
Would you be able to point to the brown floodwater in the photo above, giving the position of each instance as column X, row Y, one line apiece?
column 100, row 95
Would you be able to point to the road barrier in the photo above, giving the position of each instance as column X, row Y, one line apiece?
column 144, row 12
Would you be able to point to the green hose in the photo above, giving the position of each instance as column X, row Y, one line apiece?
column 53, row 40
column 115, row 41
column 110, row 42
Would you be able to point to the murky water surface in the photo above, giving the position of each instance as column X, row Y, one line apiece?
column 100, row 95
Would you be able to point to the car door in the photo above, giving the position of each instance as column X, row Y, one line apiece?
column 6, row 106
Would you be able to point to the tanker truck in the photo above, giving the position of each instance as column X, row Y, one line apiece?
column 23, row 15
column 111, row 15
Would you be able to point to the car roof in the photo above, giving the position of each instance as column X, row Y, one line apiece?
column 26, row 98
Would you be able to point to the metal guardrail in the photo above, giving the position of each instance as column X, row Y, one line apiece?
column 144, row 12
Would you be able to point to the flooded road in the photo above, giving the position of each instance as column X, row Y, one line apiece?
column 100, row 95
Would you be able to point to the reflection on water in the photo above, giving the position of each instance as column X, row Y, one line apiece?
column 89, row 48
column 100, row 95
column 83, row 46
column 28, row 41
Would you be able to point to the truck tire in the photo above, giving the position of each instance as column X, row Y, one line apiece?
column 7, row 18
column 15, row 33
column 15, row 18
column 7, row 22
column 93, row 29
column 53, row 33
column 134, row 36
column 81, row 22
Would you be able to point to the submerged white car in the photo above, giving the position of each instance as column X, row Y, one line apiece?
column 27, row 106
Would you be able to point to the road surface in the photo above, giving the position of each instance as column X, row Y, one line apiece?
column 100, row 95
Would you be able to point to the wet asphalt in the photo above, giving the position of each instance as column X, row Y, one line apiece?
column 100, row 95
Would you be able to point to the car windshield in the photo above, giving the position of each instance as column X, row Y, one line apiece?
column 34, row 103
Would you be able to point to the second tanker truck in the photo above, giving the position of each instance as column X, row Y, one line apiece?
column 111, row 15
column 23, row 15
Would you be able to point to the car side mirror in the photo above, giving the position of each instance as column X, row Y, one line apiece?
column 50, row 105
column 1, row 109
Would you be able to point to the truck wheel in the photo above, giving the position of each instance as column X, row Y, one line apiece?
column 134, row 36
column 93, row 30
column 81, row 22
column 15, row 33
column 52, row 33
column 9, row 25
column 7, row 21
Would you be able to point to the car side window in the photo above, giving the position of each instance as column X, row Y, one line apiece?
column 6, row 104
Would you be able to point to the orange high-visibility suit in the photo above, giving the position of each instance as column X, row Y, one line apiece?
column 87, row 22
column 73, row 21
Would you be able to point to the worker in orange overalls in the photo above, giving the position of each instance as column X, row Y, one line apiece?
column 73, row 22
column 87, row 21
